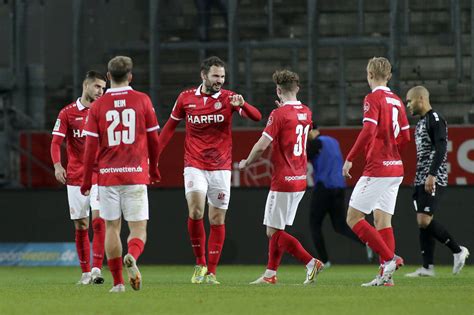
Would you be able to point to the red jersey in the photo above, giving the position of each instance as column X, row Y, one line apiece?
column 288, row 127
column 70, row 125
column 208, row 142
column 386, row 110
column 120, row 119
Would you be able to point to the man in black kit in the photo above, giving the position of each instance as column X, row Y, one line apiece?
column 430, row 180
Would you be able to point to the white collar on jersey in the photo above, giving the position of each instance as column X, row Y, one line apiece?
column 292, row 103
column 79, row 104
column 198, row 92
column 383, row 88
column 119, row 89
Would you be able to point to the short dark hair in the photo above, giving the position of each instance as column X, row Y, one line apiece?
column 286, row 79
column 119, row 67
column 94, row 75
column 207, row 63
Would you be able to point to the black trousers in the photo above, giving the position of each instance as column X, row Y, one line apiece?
column 328, row 201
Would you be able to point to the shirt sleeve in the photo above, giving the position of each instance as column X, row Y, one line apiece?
column 371, row 111
column 151, row 122
column 91, row 128
column 402, row 118
column 178, row 112
column 61, row 125
column 272, row 128
column 437, row 128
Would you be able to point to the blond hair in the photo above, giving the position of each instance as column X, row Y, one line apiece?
column 286, row 80
column 119, row 67
column 380, row 68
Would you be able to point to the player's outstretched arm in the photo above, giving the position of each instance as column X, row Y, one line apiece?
column 245, row 110
column 257, row 151
column 166, row 134
column 92, row 144
column 59, row 171
column 153, row 145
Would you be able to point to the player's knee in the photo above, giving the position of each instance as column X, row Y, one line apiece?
column 423, row 223
column 217, row 219
column 81, row 224
column 196, row 213
column 351, row 221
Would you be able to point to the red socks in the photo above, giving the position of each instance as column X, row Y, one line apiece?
column 197, row 234
column 290, row 244
column 388, row 238
column 274, row 253
column 135, row 247
column 83, row 249
column 98, row 226
column 369, row 235
column 214, row 246
column 115, row 266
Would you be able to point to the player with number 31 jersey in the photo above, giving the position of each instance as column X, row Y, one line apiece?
column 287, row 131
column 288, row 127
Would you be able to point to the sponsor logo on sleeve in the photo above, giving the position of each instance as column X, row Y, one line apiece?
column 57, row 125
column 366, row 107
column 270, row 121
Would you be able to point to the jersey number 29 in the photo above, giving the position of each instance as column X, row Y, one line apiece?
column 300, row 146
column 127, row 119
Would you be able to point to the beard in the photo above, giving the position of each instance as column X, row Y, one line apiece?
column 91, row 98
column 212, row 88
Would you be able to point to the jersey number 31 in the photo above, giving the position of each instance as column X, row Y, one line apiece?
column 127, row 119
column 300, row 146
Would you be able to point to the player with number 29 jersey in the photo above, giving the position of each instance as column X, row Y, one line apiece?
column 115, row 120
column 288, row 128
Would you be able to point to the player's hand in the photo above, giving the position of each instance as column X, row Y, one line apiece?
column 155, row 176
column 346, row 168
column 242, row 164
column 86, row 189
column 237, row 100
column 60, row 173
column 430, row 184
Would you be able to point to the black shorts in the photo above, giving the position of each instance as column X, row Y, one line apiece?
column 424, row 202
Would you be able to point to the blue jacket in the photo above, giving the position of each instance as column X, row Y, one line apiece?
column 326, row 157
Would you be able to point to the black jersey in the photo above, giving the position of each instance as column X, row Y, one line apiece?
column 431, row 137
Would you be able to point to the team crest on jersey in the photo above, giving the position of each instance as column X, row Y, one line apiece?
column 57, row 125
column 270, row 121
column 366, row 107
column 218, row 105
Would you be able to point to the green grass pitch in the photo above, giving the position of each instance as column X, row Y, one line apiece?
column 167, row 290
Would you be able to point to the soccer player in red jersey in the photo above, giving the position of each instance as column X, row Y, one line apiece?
column 122, row 127
column 207, row 111
column 385, row 130
column 69, row 126
column 287, row 127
